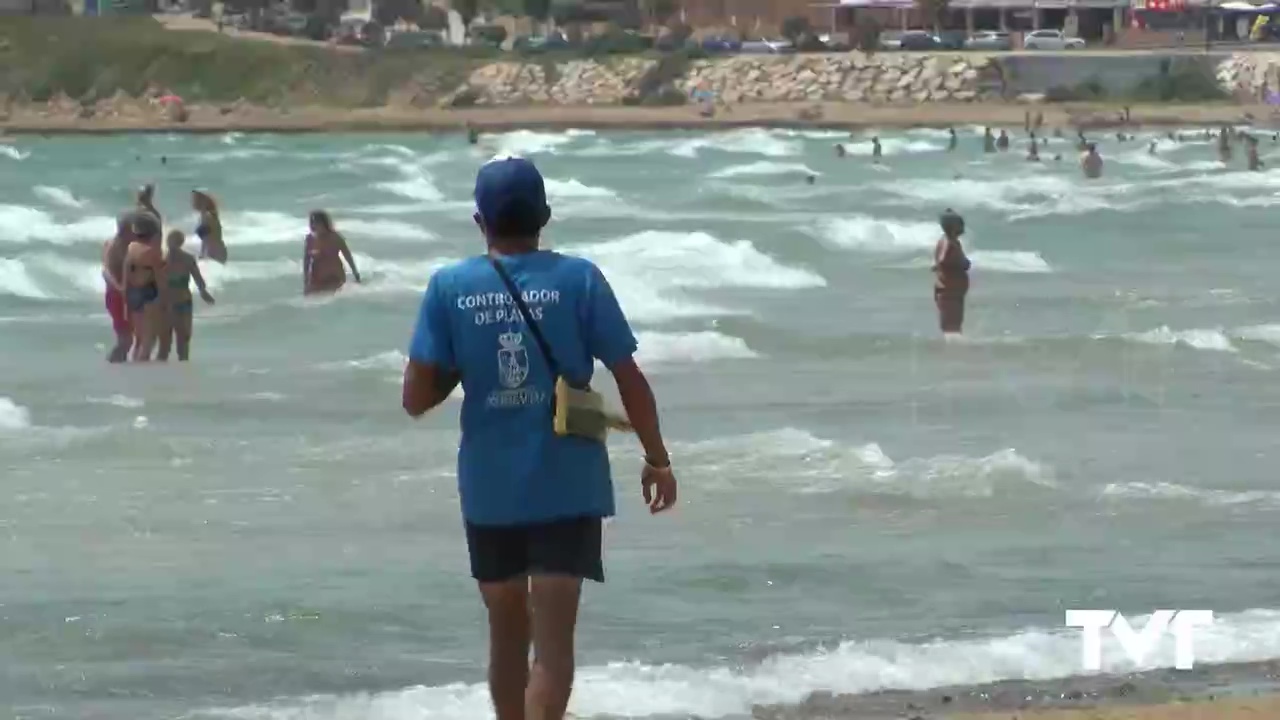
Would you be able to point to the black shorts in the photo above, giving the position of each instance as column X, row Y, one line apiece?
column 561, row 547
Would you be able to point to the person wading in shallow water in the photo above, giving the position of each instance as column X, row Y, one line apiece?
column 209, row 228
column 951, row 273
column 533, row 500
column 322, row 256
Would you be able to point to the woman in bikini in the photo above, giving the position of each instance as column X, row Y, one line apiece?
column 209, row 228
column 322, row 270
column 145, row 286
column 951, row 273
column 181, row 268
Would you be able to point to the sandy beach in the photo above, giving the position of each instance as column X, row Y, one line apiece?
column 1219, row 691
column 1227, row 709
column 214, row 119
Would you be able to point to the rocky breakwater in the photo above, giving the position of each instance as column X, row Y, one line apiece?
column 852, row 77
column 578, row 82
column 1248, row 75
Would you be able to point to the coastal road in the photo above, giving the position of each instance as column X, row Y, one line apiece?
column 189, row 24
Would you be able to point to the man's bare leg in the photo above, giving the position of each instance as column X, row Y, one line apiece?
column 508, row 606
column 120, row 353
column 554, row 608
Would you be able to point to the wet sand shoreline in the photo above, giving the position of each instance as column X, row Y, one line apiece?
column 1220, row 692
column 835, row 116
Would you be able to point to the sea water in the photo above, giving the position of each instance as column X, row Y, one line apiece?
column 262, row 533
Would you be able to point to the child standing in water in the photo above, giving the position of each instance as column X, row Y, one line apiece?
column 951, row 273
column 182, row 269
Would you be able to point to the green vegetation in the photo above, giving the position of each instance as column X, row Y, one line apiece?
column 1188, row 82
column 94, row 58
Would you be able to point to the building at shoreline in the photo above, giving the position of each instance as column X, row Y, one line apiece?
column 1085, row 18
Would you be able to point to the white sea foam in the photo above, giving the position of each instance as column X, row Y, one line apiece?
column 60, row 196
column 891, row 146
column 12, row 152
column 751, row 141
column 764, row 168
column 531, row 142
column 869, row 234
column 650, row 271
column 120, row 401
column 636, row 690
column 813, row 464
column 16, row 281
column 1009, row 261
column 1205, row 496
column 572, row 189
column 690, row 347
column 21, row 224
column 13, row 416
column 1198, row 338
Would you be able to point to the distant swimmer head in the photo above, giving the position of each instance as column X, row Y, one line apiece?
column 951, row 222
column 839, row 150
column 1092, row 148
column 811, row 179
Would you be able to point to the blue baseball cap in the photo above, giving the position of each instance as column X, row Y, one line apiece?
column 510, row 193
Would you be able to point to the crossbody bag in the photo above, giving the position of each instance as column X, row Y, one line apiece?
column 577, row 411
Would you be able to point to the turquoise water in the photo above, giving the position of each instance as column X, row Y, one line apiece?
column 263, row 534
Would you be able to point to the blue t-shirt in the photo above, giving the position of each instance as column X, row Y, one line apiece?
column 512, row 467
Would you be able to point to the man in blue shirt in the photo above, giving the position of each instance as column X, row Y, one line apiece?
column 532, row 500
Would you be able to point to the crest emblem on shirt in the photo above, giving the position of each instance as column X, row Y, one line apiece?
column 513, row 360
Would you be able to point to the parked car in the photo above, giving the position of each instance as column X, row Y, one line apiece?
column 414, row 39
column 989, row 40
column 1051, row 40
column 537, row 43
column 721, row 45
column 768, row 47
column 952, row 39
column 918, row 40
column 891, row 40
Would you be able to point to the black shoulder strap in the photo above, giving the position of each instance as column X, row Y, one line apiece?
column 543, row 347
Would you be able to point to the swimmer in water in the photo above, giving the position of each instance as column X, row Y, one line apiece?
column 182, row 268
column 1224, row 146
column 952, row 140
column 209, row 227
column 1002, row 142
column 323, row 253
column 1082, row 143
column 988, row 141
column 840, row 151
column 1091, row 162
column 1033, row 150
column 146, row 285
column 811, row 179
column 950, row 273
column 1255, row 163
column 1057, row 158
column 876, row 151
column 1151, row 149
column 473, row 135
